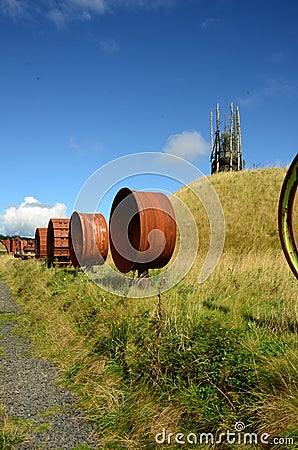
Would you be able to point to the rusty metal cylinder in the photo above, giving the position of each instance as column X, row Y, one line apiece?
column 41, row 242
column 6, row 243
column 142, row 230
column 57, row 241
column 13, row 245
column 19, row 244
column 88, row 239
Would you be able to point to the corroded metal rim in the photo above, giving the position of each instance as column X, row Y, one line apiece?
column 285, row 216
column 142, row 230
column 57, row 240
column 41, row 242
column 88, row 239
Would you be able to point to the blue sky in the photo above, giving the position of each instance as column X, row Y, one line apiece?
column 83, row 82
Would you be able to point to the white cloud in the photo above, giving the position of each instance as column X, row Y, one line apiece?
column 70, row 10
column 108, row 46
column 23, row 220
column 272, row 87
column 276, row 57
column 210, row 22
column 97, row 6
column 66, row 11
column 58, row 17
column 13, row 8
column 144, row 4
column 88, row 147
column 75, row 146
column 187, row 145
column 58, row 12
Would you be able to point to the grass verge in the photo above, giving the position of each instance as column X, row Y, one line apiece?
column 197, row 360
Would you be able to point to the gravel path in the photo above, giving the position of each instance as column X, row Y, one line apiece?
column 28, row 391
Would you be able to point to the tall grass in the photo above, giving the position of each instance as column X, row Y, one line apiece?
column 199, row 358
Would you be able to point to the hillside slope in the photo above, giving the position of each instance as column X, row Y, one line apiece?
column 250, row 202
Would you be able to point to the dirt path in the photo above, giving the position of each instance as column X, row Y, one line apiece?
column 28, row 391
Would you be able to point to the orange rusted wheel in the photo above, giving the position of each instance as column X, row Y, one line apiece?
column 57, row 241
column 41, row 242
column 88, row 239
column 142, row 230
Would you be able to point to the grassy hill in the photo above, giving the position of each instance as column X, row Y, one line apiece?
column 200, row 358
column 250, row 201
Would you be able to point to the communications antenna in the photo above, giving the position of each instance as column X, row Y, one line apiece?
column 226, row 146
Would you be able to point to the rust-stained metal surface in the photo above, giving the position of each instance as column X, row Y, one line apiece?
column 18, row 244
column 29, row 247
column 142, row 230
column 41, row 242
column 19, row 247
column 13, row 246
column 88, row 239
column 57, row 241
column 6, row 243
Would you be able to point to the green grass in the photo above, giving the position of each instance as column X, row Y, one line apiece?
column 12, row 431
column 3, row 250
column 199, row 359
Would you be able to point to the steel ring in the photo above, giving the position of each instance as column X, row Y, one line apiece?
column 285, row 216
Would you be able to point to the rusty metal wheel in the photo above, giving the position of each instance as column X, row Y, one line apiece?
column 57, row 242
column 142, row 230
column 88, row 239
column 41, row 242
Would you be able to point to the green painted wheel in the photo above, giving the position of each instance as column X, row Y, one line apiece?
column 285, row 216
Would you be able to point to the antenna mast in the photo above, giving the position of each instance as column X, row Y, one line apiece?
column 239, row 143
column 211, row 130
column 226, row 147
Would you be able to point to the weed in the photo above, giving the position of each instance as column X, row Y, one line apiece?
column 12, row 431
